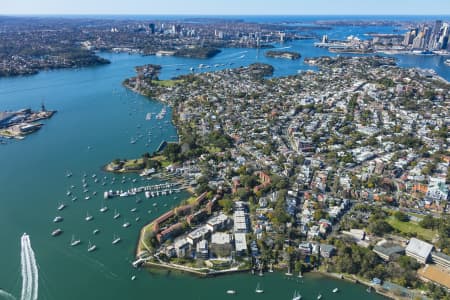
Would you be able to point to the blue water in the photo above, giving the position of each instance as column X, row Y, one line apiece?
column 96, row 119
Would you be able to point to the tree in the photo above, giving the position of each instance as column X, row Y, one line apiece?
column 402, row 217
column 172, row 151
column 226, row 204
column 379, row 227
column 428, row 222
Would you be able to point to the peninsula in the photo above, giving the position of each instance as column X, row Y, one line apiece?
column 294, row 176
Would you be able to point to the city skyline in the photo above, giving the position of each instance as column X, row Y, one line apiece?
column 222, row 7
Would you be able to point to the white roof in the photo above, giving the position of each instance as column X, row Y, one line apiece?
column 240, row 242
column 419, row 248
column 220, row 238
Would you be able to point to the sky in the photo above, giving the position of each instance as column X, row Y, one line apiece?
column 227, row 7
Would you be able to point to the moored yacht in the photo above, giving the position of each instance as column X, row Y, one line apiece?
column 88, row 217
column 116, row 214
column 74, row 242
column 335, row 290
column 104, row 209
column 126, row 224
column 91, row 247
column 61, row 206
column 258, row 289
column 57, row 219
column 57, row 232
column 296, row 296
column 116, row 239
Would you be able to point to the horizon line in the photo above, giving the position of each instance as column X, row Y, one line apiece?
column 213, row 14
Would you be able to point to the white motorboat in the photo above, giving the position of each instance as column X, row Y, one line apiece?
column 58, row 219
column 57, row 232
column 116, row 214
column 61, row 206
column 126, row 225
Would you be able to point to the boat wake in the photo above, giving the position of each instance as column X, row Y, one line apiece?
column 30, row 276
column 5, row 295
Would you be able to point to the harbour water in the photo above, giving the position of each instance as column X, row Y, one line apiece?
column 95, row 122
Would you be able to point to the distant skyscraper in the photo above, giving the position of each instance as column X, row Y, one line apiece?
column 152, row 28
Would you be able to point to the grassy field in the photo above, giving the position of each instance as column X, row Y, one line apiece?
column 162, row 159
column 412, row 227
column 166, row 83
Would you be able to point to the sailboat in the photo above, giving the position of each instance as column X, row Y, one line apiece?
column 74, row 242
column 116, row 214
column 91, row 247
column 296, row 296
column 104, row 208
column 258, row 289
column 88, row 217
column 116, row 239
column 335, row 290
column 126, row 224
column 319, row 297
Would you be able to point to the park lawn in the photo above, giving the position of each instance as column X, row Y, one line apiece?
column 167, row 83
column 133, row 163
column 412, row 227
column 163, row 160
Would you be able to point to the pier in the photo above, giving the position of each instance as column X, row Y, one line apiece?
column 150, row 191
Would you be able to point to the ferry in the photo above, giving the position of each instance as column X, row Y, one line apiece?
column 88, row 217
column 61, row 206
column 116, row 239
column 116, row 214
column 74, row 242
column 296, row 296
column 258, row 289
column 57, row 232
column 57, row 219
column 335, row 290
column 91, row 247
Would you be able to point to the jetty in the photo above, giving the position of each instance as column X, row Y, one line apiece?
column 150, row 191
